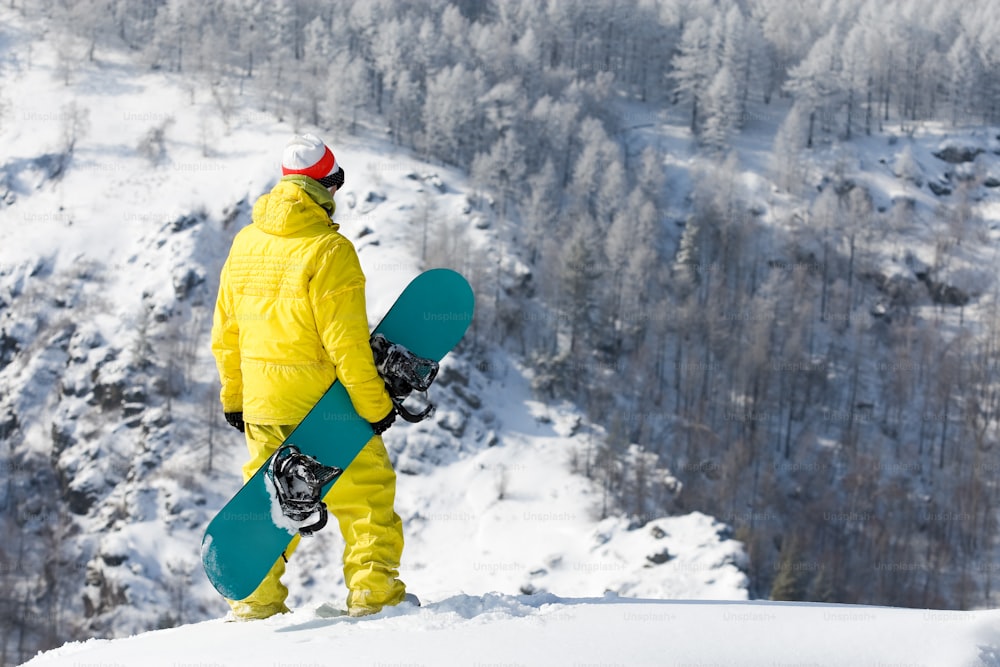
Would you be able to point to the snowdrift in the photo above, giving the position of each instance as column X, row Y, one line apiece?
column 551, row 631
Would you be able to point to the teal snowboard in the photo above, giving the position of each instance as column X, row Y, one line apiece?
column 250, row 533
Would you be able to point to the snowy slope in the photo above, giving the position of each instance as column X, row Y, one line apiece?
column 107, row 274
column 560, row 632
column 124, row 246
column 512, row 517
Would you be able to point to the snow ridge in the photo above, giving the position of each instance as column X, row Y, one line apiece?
column 496, row 629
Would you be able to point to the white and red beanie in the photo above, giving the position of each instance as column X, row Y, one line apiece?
column 309, row 156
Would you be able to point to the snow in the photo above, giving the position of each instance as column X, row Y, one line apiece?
column 547, row 630
column 485, row 489
column 506, row 544
column 512, row 517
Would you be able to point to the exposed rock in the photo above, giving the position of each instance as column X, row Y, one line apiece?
column 942, row 293
column 79, row 501
column 185, row 222
column 187, row 282
column 9, row 347
column 939, row 189
column 659, row 558
column 108, row 396
column 954, row 154
column 470, row 399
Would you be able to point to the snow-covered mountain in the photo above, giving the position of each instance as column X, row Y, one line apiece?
column 120, row 192
column 120, row 189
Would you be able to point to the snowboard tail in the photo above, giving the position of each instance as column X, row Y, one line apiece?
column 251, row 531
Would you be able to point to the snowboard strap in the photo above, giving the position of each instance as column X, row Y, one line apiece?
column 403, row 373
column 412, row 417
column 298, row 481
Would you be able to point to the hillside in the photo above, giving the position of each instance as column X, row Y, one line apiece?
column 121, row 190
column 736, row 337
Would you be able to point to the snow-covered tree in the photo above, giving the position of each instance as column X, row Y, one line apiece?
column 540, row 212
column 347, row 89
column 581, row 269
column 556, row 135
column 905, row 166
column 450, row 114
column 723, row 114
column 598, row 175
column 965, row 70
column 857, row 80
column 739, row 56
column 787, row 163
column 817, row 84
column 694, row 66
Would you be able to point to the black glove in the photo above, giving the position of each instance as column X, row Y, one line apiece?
column 235, row 420
column 383, row 424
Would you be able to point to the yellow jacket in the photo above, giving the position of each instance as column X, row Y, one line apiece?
column 291, row 316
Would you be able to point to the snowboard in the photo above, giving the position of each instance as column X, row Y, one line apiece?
column 249, row 533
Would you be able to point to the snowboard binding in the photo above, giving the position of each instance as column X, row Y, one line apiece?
column 403, row 373
column 298, row 480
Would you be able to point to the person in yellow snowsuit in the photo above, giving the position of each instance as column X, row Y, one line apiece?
column 290, row 319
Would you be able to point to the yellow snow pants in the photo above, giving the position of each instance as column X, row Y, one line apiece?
column 362, row 501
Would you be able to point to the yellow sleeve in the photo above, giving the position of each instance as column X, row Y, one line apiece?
column 337, row 291
column 226, row 347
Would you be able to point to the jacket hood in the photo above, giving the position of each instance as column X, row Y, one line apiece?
column 295, row 203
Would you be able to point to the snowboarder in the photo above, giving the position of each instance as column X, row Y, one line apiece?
column 289, row 320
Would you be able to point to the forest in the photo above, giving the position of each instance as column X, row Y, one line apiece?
column 841, row 418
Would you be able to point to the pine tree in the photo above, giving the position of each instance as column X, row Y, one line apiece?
column 964, row 67
column 789, row 583
column 816, row 82
column 738, row 56
column 581, row 270
column 557, row 123
column 857, row 79
column 541, row 210
column 694, row 66
column 722, row 110
column 450, row 115
column 787, row 163
column 347, row 90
